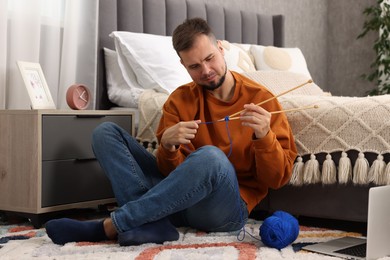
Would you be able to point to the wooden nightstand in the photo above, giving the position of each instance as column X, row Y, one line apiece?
column 47, row 163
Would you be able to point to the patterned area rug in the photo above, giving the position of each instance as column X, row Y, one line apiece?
column 22, row 241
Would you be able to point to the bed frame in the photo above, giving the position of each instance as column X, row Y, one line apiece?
column 161, row 17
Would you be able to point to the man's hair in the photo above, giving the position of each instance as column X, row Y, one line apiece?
column 185, row 34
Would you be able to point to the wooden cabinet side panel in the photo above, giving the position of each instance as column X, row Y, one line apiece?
column 19, row 162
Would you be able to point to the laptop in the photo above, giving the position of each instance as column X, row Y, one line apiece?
column 377, row 242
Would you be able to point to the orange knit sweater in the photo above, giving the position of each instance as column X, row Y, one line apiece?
column 260, row 164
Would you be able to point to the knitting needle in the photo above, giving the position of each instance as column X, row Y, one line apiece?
column 265, row 101
column 281, row 111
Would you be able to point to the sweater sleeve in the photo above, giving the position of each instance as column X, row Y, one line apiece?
column 275, row 153
column 167, row 161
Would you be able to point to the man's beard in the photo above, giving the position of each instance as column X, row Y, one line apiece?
column 213, row 86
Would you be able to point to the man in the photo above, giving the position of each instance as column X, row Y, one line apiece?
column 207, row 174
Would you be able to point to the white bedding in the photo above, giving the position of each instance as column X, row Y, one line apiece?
column 146, row 61
column 119, row 91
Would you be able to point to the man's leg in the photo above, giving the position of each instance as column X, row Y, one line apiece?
column 132, row 172
column 221, row 211
column 124, row 161
column 203, row 189
column 131, row 169
column 196, row 186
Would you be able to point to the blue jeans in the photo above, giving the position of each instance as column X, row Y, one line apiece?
column 201, row 193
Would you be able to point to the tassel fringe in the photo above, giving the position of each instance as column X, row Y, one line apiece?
column 150, row 148
column 311, row 172
column 360, row 170
column 377, row 171
column 387, row 174
column 361, row 173
column 329, row 171
column 297, row 172
column 345, row 169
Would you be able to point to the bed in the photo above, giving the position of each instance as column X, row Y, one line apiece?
column 340, row 157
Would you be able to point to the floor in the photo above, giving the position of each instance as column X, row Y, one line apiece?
column 350, row 226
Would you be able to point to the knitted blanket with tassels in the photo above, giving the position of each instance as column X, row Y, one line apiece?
column 339, row 124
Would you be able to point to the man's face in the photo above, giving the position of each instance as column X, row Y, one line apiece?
column 205, row 63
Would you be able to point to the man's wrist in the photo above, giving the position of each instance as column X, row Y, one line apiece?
column 168, row 147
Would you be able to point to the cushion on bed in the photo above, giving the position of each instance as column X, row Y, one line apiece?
column 282, row 59
column 118, row 90
column 281, row 81
column 153, row 60
column 237, row 58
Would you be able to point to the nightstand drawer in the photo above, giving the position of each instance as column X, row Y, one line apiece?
column 73, row 181
column 69, row 136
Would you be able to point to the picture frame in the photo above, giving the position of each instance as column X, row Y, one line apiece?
column 36, row 85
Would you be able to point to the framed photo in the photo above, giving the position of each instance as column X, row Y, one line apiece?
column 36, row 85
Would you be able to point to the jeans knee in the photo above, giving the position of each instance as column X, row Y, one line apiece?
column 101, row 131
column 213, row 159
column 212, row 154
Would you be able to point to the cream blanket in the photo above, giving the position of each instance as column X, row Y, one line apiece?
column 339, row 124
column 150, row 110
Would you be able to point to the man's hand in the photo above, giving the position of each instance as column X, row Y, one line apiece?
column 181, row 133
column 256, row 118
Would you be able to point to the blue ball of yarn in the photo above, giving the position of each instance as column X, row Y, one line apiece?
column 279, row 230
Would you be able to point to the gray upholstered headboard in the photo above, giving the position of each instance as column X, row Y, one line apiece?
column 162, row 16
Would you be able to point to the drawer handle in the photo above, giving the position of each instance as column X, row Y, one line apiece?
column 90, row 116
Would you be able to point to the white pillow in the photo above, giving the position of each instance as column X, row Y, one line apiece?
column 282, row 59
column 237, row 58
column 280, row 81
column 119, row 92
column 152, row 58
